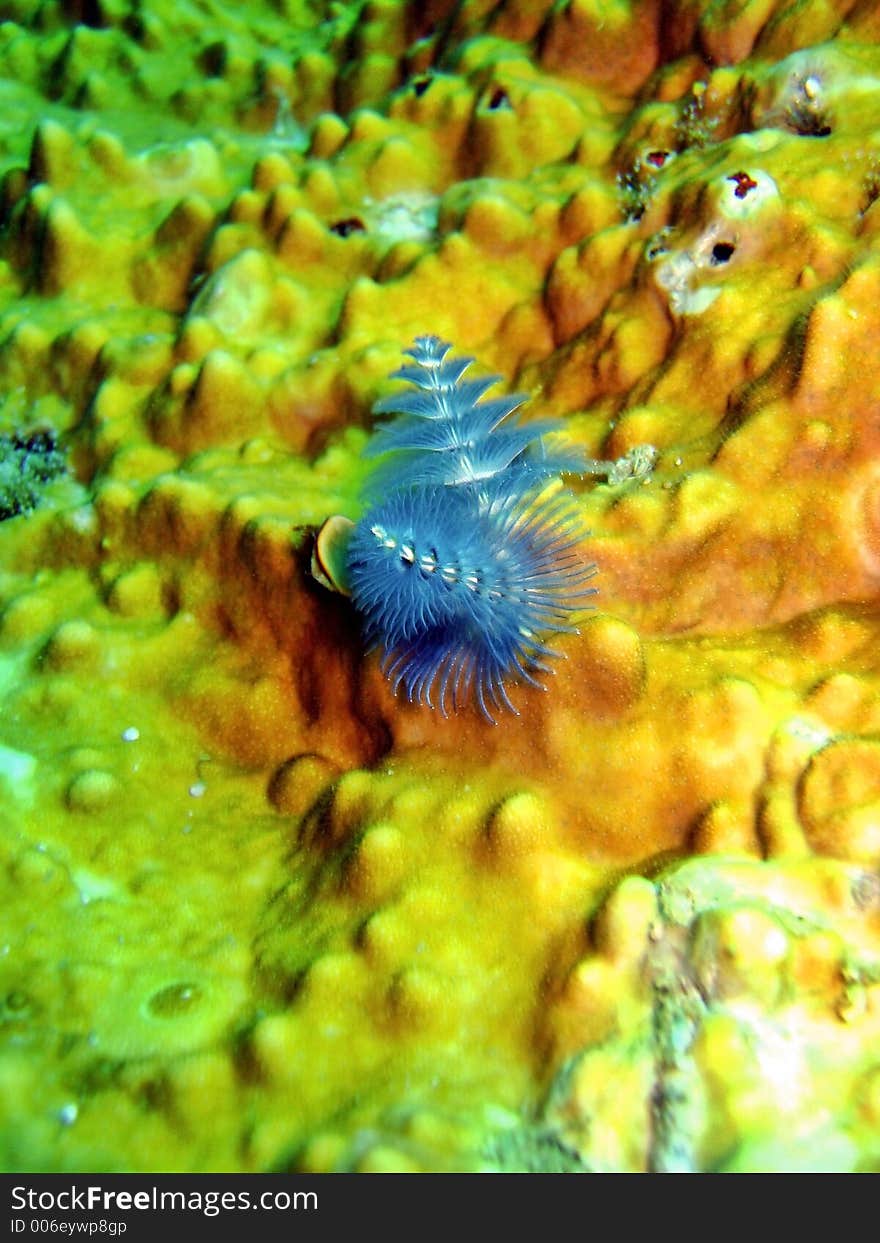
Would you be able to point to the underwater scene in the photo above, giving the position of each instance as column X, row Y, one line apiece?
column 440, row 586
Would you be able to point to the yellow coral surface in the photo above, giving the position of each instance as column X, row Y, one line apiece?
column 260, row 914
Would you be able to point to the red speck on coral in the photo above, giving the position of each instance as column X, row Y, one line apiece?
column 744, row 183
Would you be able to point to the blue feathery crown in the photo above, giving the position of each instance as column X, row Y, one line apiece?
column 466, row 557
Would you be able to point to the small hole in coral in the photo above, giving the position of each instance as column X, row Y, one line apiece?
column 722, row 251
column 420, row 85
column 806, row 113
column 810, row 127
column 345, row 228
column 174, row 1001
column 499, row 99
column 17, row 1002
